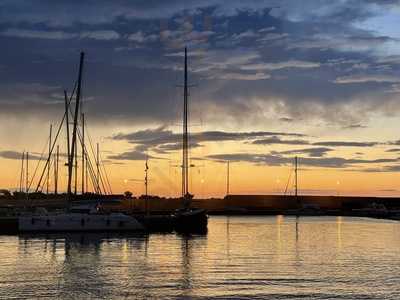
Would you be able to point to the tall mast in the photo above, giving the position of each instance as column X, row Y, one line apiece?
column 76, row 171
column 68, row 146
column 86, row 176
column 296, row 182
column 185, row 143
column 295, row 176
column 227, row 178
column 56, row 161
column 27, row 174
column 83, row 153
column 98, row 170
column 49, row 164
column 21, row 178
column 73, row 146
column 146, row 185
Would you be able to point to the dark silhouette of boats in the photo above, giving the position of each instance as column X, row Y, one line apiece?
column 89, row 216
column 74, row 218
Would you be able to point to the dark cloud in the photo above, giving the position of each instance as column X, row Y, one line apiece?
column 276, row 140
column 345, row 144
column 303, row 61
column 129, row 155
column 112, row 162
column 163, row 140
column 394, row 143
column 383, row 169
column 286, row 119
column 354, row 126
column 278, row 160
column 312, row 152
column 17, row 155
column 165, row 148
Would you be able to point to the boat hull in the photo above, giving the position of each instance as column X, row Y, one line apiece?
column 79, row 223
column 191, row 221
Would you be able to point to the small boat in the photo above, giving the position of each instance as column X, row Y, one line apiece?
column 191, row 220
column 376, row 210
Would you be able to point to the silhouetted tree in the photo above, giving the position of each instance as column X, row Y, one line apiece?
column 128, row 194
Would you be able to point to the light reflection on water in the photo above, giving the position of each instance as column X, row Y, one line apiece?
column 243, row 257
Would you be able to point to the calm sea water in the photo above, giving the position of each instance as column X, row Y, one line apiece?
column 240, row 257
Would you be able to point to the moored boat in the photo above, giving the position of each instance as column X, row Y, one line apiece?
column 191, row 220
column 78, row 221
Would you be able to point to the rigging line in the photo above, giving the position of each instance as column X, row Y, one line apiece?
column 37, row 166
column 94, row 155
column 105, row 173
column 51, row 151
column 54, row 143
column 287, row 184
column 105, row 181
column 42, row 186
column 91, row 169
column 97, row 187
column 90, row 142
column 102, row 181
column 92, row 177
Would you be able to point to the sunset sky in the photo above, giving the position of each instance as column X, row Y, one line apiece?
column 317, row 79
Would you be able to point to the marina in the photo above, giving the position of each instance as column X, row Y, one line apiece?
column 91, row 217
column 200, row 150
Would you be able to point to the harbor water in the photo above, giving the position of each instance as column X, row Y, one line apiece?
column 264, row 257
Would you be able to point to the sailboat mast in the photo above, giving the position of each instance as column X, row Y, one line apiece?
column 98, row 170
column 295, row 177
column 49, row 164
column 146, row 186
column 56, row 161
column 86, row 176
column 27, row 173
column 73, row 146
column 76, row 171
column 83, row 153
column 67, row 127
column 185, row 142
column 21, row 179
column 227, row 178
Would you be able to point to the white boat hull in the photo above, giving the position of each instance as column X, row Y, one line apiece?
column 75, row 222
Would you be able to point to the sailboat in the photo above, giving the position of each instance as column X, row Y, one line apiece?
column 187, row 218
column 88, row 217
column 302, row 208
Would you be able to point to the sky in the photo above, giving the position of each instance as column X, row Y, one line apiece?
column 270, row 80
